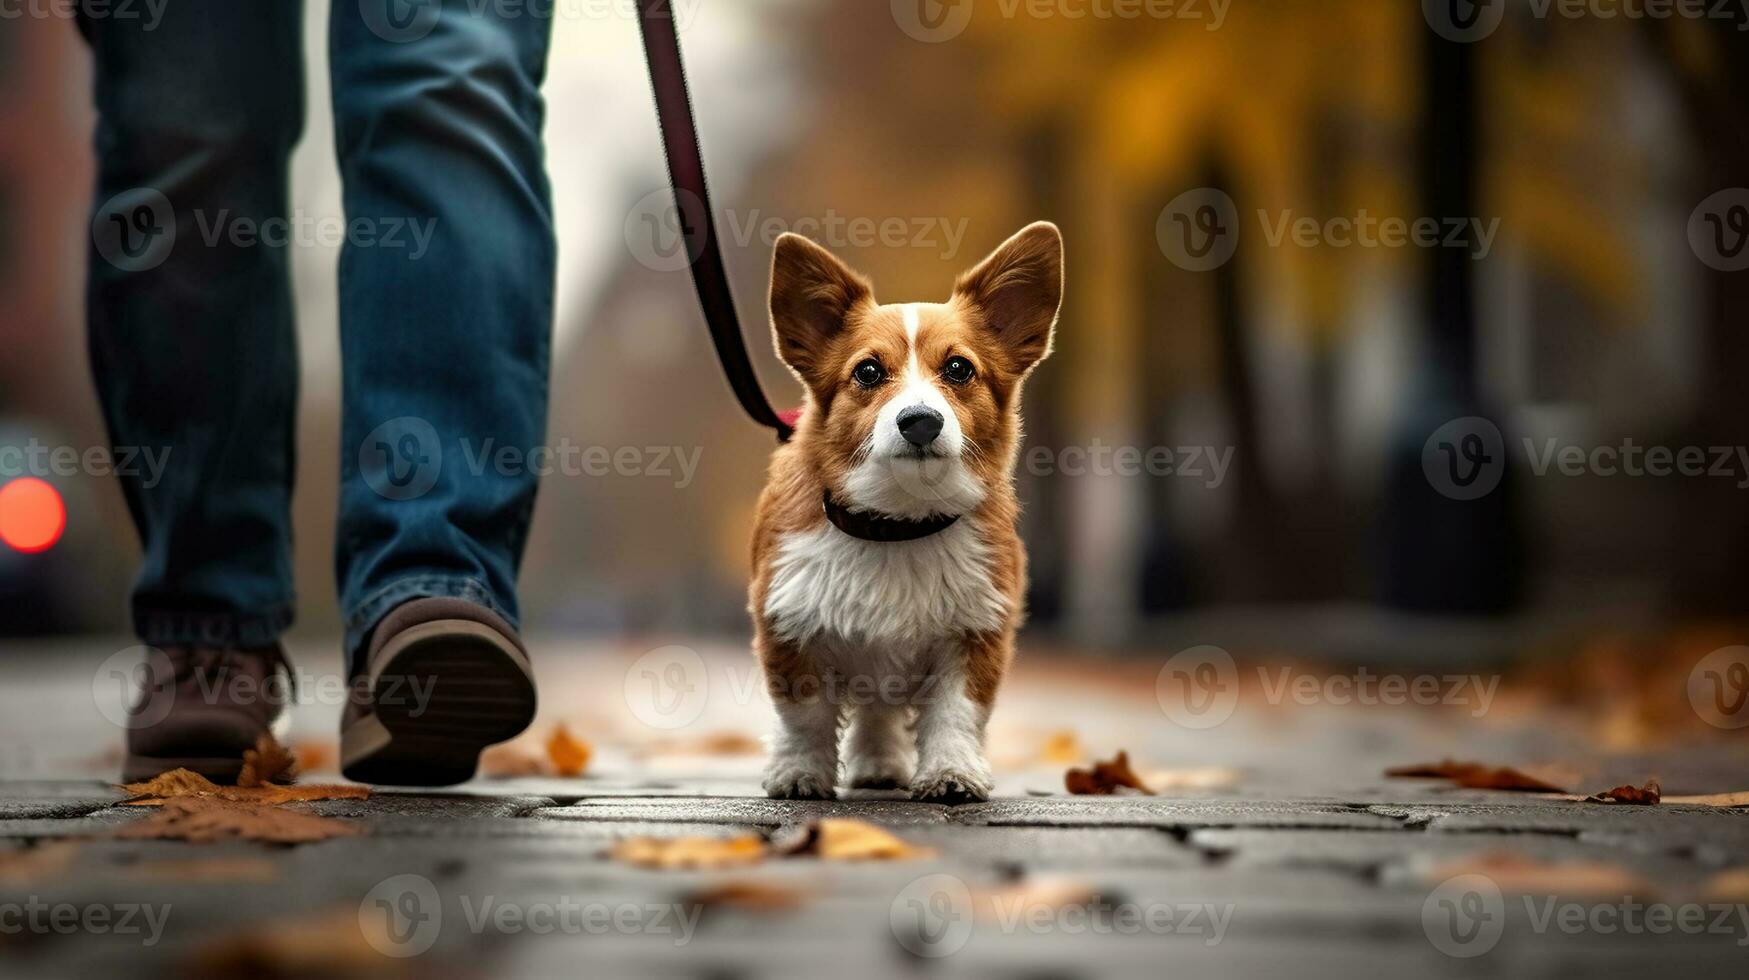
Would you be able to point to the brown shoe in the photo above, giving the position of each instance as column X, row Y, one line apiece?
column 201, row 708
column 443, row 679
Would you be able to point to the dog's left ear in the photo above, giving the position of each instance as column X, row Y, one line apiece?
column 1017, row 292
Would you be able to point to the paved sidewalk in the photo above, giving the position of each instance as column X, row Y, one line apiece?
column 1309, row 863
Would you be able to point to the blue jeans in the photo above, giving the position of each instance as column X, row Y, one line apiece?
column 446, row 301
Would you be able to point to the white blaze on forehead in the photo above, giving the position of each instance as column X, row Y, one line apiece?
column 913, row 323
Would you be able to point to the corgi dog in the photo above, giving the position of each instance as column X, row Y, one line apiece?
column 888, row 574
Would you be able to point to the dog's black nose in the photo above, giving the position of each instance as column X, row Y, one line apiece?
column 920, row 425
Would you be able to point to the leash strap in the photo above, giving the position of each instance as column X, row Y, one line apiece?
column 693, row 206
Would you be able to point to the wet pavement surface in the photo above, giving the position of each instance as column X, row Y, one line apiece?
column 1298, row 858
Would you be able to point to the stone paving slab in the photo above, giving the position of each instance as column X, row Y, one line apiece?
column 1374, row 853
column 1153, row 811
column 752, row 811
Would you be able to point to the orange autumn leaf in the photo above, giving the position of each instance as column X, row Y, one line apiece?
column 312, row 756
column 844, row 839
column 508, row 761
column 46, row 860
column 1105, row 778
column 1029, row 898
column 568, row 754
column 1062, row 749
column 748, row 896
column 1475, row 775
column 1647, row 795
column 1711, row 799
column 1518, row 874
column 185, row 784
column 268, row 762
column 202, row 820
column 690, row 853
column 335, row 943
column 1729, row 886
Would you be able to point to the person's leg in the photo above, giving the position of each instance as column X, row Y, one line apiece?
column 446, row 304
column 191, row 336
column 195, row 359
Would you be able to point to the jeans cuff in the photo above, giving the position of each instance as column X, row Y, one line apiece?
column 172, row 627
column 362, row 621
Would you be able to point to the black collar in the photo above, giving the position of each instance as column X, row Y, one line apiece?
column 874, row 527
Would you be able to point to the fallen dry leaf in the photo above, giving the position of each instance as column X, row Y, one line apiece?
column 1062, row 749
column 206, row 869
column 690, row 853
column 713, row 744
column 1475, row 775
column 844, row 839
column 749, row 896
column 1711, row 799
column 45, row 860
column 268, row 762
column 1211, row 777
column 1024, row 899
column 201, row 820
column 341, row 943
column 1105, row 778
column 568, row 754
column 314, row 756
column 185, row 784
column 509, row 761
column 1729, row 886
column 1646, row 795
column 1518, row 874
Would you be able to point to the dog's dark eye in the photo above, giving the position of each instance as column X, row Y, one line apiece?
column 869, row 373
column 958, row 370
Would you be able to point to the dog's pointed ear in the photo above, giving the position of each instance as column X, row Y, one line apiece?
column 812, row 294
column 1017, row 291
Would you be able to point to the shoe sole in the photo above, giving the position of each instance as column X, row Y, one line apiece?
column 441, row 692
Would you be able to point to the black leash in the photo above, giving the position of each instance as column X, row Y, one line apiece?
column 693, row 206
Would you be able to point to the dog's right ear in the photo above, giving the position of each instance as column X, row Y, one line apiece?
column 812, row 294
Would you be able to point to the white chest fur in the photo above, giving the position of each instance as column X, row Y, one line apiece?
column 829, row 587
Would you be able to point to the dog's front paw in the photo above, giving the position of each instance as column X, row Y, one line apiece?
column 951, row 787
column 792, row 782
